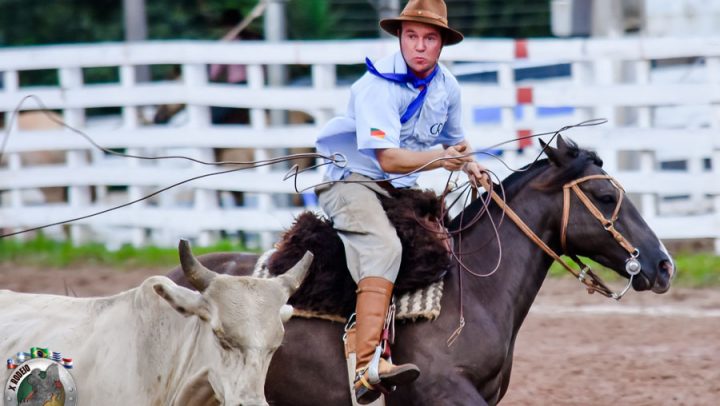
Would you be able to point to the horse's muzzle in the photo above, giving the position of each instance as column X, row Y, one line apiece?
column 657, row 279
column 665, row 275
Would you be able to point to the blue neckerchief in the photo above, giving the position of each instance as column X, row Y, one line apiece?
column 406, row 78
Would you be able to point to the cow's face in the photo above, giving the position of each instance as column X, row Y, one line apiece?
column 246, row 316
column 247, row 322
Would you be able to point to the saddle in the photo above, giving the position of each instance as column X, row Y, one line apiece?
column 328, row 288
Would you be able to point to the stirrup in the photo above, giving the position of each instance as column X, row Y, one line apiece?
column 370, row 388
column 373, row 369
column 369, row 377
column 365, row 392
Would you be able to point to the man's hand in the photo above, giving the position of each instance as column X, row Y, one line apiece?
column 453, row 160
column 477, row 173
column 467, row 164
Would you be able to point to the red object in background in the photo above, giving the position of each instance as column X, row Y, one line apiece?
column 521, row 50
column 524, row 95
column 526, row 142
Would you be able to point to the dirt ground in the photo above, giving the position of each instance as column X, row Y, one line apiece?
column 574, row 348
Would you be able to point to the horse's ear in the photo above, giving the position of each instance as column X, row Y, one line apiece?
column 568, row 147
column 561, row 144
column 552, row 153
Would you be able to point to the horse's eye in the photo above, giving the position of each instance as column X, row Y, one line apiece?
column 607, row 199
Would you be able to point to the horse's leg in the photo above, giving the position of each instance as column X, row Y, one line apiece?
column 506, row 370
column 439, row 389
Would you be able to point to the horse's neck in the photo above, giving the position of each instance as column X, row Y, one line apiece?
column 522, row 268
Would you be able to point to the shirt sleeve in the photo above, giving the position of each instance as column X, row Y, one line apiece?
column 376, row 116
column 452, row 132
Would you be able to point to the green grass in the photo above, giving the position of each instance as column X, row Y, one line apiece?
column 44, row 252
column 693, row 270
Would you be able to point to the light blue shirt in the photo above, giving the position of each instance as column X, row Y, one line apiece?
column 373, row 116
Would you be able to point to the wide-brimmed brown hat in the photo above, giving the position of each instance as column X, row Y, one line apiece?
column 433, row 12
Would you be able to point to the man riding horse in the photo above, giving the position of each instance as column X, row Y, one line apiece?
column 402, row 106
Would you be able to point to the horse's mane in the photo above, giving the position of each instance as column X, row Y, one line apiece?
column 577, row 160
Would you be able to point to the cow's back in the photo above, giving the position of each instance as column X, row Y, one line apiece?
column 94, row 332
column 38, row 318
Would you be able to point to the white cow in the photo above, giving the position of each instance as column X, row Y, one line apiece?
column 209, row 346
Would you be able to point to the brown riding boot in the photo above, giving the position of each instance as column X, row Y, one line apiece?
column 373, row 299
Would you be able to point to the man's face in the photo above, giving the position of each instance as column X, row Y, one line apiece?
column 420, row 45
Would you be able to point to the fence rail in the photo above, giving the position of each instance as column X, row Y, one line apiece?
column 661, row 98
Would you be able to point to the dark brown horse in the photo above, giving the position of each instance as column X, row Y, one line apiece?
column 309, row 369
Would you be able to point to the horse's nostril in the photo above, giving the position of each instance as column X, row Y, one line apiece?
column 667, row 267
column 664, row 278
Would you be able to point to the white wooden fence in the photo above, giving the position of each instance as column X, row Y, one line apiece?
column 661, row 98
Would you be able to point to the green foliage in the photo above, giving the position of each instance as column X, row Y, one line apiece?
column 105, row 74
column 44, row 252
column 41, row 77
column 693, row 270
column 31, row 22
column 311, row 19
column 698, row 269
column 511, row 19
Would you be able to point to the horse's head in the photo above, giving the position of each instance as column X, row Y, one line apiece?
column 600, row 223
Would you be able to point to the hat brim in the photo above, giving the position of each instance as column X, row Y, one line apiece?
column 392, row 25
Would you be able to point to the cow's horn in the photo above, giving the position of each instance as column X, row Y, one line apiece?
column 295, row 275
column 195, row 272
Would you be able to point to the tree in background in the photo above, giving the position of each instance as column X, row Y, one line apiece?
column 511, row 19
column 35, row 22
column 310, row 19
column 32, row 22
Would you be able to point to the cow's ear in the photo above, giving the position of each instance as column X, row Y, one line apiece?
column 184, row 301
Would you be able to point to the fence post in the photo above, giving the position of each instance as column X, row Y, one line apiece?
column 715, row 164
column 506, row 80
column 642, row 77
column 196, row 76
column 324, row 77
column 712, row 67
column 258, row 122
column 581, row 72
column 128, row 80
column 648, row 200
column 12, row 84
column 606, row 75
column 79, row 197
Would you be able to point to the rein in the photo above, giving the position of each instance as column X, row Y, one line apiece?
column 592, row 281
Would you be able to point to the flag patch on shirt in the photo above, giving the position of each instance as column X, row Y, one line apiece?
column 376, row 132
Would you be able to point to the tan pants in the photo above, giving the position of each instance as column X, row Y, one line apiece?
column 372, row 246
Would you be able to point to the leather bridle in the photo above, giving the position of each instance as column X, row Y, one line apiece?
column 592, row 281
